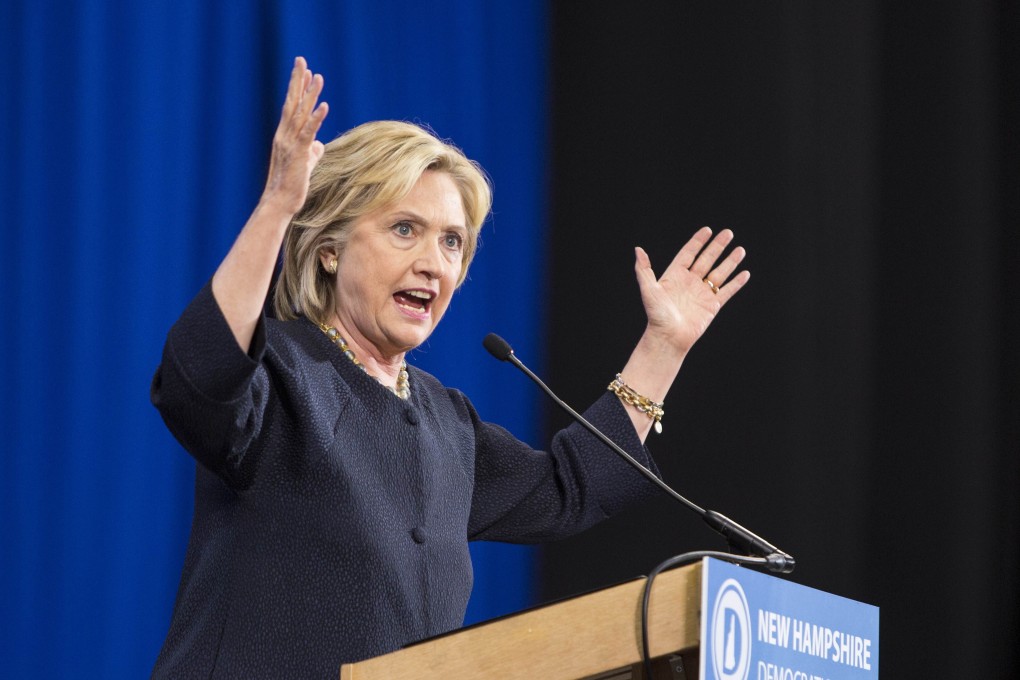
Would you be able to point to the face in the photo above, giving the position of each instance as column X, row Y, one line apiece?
column 400, row 267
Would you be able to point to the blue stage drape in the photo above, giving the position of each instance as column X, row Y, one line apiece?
column 134, row 143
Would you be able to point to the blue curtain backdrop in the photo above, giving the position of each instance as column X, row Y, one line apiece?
column 134, row 143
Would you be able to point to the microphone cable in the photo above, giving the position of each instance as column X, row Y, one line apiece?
column 737, row 536
column 678, row 561
column 760, row 553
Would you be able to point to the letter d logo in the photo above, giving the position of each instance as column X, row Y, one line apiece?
column 731, row 633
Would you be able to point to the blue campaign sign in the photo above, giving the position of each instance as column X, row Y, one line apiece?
column 759, row 627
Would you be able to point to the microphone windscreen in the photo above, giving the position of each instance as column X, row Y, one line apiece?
column 497, row 346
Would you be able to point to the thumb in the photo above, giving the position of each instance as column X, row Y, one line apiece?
column 643, row 268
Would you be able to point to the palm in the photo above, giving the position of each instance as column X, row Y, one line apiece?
column 680, row 305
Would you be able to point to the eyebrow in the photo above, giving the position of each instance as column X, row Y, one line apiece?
column 415, row 217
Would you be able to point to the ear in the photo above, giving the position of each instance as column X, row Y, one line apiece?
column 327, row 257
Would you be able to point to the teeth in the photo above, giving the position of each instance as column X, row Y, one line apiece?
column 413, row 309
column 419, row 294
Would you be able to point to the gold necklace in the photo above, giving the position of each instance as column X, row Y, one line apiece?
column 403, row 388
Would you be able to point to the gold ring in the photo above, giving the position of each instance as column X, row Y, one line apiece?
column 711, row 285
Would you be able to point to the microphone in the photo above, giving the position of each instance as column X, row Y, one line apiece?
column 737, row 537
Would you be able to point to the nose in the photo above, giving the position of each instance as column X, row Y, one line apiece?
column 431, row 261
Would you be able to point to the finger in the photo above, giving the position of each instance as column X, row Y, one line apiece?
column 706, row 260
column 309, row 99
column 306, row 81
column 733, row 287
column 318, row 149
column 294, row 87
column 722, row 272
column 302, row 91
column 314, row 122
column 643, row 268
column 685, row 258
column 648, row 284
column 292, row 116
column 314, row 89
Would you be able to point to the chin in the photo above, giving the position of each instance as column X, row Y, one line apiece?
column 408, row 341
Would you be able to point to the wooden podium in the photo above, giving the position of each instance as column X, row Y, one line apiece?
column 597, row 635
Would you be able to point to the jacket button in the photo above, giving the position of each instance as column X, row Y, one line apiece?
column 411, row 416
column 418, row 534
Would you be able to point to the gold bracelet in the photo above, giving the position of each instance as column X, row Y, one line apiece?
column 650, row 408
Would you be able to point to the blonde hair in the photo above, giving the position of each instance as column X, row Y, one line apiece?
column 365, row 169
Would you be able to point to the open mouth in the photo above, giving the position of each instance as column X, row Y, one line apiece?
column 417, row 301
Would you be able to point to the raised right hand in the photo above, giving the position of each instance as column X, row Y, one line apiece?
column 295, row 149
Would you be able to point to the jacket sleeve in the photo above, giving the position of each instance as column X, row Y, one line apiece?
column 211, row 394
column 522, row 495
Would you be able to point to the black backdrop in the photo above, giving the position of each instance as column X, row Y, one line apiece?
column 857, row 403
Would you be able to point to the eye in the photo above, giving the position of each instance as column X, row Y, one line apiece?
column 453, row 241
column 403, row 229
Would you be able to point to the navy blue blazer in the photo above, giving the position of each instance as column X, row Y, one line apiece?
column 332, row 519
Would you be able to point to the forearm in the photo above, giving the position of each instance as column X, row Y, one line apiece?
column 680, row 306
column 650, row 371
column 242, row 280
column 525, row 496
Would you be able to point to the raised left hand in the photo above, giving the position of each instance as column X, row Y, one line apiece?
column 683, row 302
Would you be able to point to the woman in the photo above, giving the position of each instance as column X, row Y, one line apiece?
column 338, row 487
